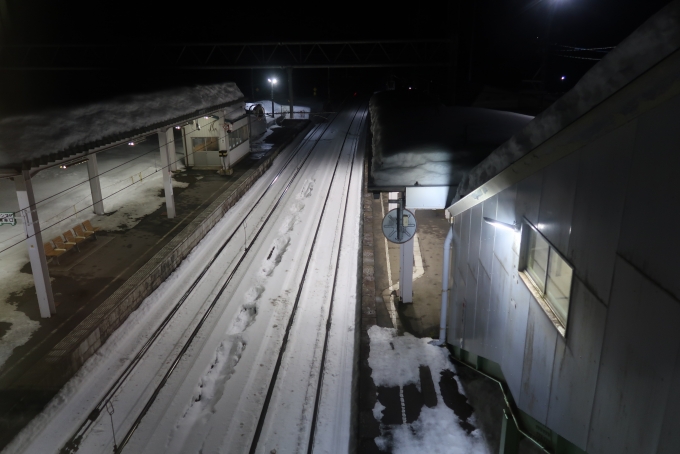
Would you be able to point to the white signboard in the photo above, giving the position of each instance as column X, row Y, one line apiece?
column 7, row 218
column 427, row 197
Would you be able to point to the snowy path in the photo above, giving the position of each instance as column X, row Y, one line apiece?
column 214, row 398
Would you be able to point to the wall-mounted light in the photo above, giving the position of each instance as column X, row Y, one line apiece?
column 136, row 141
column 72, row 163
column 178, row 127
column 502, row 225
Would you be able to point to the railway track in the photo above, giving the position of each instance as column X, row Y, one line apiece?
column 314, row 138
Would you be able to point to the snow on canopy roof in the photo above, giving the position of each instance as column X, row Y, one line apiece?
column 654, row 40
column 418, row 141
column 60, row 133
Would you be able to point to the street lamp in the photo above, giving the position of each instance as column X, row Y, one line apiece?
column 273, row 82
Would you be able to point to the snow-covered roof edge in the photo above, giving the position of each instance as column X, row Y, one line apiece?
column 653, row 41
column 31, row 140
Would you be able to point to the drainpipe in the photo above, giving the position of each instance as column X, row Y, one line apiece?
column 451, row 237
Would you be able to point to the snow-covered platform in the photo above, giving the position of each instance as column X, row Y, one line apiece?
column 98, row 286
column 412, row 398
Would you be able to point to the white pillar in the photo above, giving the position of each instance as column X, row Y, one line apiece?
column 95, row 186
column 172, row 156
column 223, row 145
column 406, row 271
column 167, row 175
column 188, row 150
column 36, row 253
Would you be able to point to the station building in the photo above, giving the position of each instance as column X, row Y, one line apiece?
column 562, row 281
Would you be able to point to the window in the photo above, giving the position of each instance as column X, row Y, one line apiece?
column 204, row 144
column 238, row 136
column 548, row 276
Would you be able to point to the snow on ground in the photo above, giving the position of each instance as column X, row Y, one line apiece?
column 131, row 190
column 395, row 361
column 49, row 431
column 212, row 401
column 26, row 136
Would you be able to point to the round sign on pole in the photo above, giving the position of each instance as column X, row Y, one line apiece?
column 399, row 233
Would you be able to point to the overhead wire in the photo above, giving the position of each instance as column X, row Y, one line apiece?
column 106, row 171
column 42, row 229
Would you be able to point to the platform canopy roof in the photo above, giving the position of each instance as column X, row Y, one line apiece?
column 652, row 42
column 37, row 139
column 419, row 142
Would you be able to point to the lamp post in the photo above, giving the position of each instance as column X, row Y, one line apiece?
column 273, row 82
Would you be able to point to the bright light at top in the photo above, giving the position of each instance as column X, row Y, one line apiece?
column 563, row 78
column 501, row 225
column 272, row 80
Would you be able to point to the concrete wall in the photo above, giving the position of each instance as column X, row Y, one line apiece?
column 609, row 205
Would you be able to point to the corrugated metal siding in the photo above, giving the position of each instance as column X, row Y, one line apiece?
column 529, row 197
column 539, row 354
column 498, row 311
column 669, row 439
column 610, row 386
column 600, row 195
column 557, row 201
column 638, row 357
column 577, row 360
column 653, row 192
column 515, row 335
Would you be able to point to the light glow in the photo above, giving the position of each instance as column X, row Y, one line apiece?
column 502, row 225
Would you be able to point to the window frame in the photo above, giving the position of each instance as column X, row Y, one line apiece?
column 540, row 292
column 243, row 130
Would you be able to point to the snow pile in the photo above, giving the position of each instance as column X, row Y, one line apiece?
column 417, row 140
column 31, row 136
column 395, row 361
column 191, row 430
column 650, row 43
column 299, row 112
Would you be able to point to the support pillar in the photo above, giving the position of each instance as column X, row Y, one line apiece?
column 188, row 151
column 223, row 145
column 406, row 271
column 95, row 186
column 172, row 156
column 167, row 175
column 252, row 86
column 290, row 91
column 34, row 241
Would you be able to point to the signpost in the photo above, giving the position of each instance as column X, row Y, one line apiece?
column 7, row 218
column 399, row 225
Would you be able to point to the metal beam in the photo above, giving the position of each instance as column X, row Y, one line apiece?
column 244, row 55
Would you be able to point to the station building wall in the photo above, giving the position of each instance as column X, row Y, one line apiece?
column 611, row 384
column 213, row 134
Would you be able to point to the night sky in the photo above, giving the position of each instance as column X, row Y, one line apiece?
column 500, row 42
